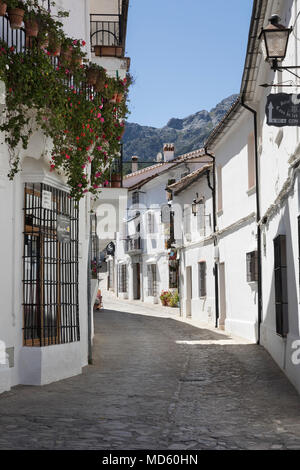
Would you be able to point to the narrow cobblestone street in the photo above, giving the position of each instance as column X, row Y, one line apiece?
column 157, row 383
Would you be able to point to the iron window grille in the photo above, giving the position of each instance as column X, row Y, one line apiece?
column 152, row 280
column 173, row 274
column 50, row 267
column 135, row 197
column 252, row 266
column 202, row 278
column 122, row 278
column 110, row 278
column 281, row 292
column 95, row 261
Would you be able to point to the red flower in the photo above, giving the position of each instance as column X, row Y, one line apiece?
column 83, row 43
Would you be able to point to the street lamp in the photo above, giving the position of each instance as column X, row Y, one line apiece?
column 275, row 39
column 195, row 203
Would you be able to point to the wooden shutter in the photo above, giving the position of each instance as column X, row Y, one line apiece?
column 280, row 280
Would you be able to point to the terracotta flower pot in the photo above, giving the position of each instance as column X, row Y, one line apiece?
column 66, row 56
column 114, row 98
column 15, row 16
column 77, row 60
column 119, row 97
column 54, row 47
column 31, row 28
column 99, row 84
column 3, row 8
column 92, row 76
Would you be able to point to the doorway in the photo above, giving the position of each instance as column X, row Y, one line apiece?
column 136, row 281
column 189, row 291
column 222, row 317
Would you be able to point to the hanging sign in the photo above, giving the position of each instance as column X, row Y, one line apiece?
column 63, row 229
column 46, row 199
column 110, row 249
column 283, row 109
column 165, row 213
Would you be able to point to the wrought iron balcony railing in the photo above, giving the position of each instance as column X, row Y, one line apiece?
column 133, row 244
column 107, row 34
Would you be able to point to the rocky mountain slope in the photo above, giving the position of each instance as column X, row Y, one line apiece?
column 187, row 134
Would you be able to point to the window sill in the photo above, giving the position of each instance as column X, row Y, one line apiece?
column 251, row 191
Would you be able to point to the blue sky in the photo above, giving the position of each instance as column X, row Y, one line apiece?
column 186, row 55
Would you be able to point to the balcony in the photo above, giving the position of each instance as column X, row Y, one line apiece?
column 133, row 245
column 107, row 35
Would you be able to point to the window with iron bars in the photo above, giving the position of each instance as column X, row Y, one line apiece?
column 252, row 266
column 202, row 278
column 152, row 280
column 122, row 278
column 50, row 267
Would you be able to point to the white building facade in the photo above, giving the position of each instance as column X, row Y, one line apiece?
column 46, row 323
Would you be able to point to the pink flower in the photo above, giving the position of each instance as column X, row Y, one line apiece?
column 99, row 148
column 102, row 119
column 67, row 156
column 79, row 185
column 99, row 115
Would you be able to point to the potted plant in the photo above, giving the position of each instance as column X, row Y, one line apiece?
column 165, row 297
column 15, row 10
column 77, row 53
column 101, row 79
column 66, row 51
column 31, row 24
column 92, row 73
column 3, row 7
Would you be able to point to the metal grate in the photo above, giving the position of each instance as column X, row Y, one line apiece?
column 95, row 254
column 50, row 267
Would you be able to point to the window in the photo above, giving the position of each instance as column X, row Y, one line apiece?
column 135, row 197
column 122, row 278
column 150, row 222
column 50, row 267
column 201, row 219
column 187, row 222
column 152, row 281
column 173, row 274
column 252, row 266
column 281, row 293
column 220, row 190
column 202, row 278
column 251, row 161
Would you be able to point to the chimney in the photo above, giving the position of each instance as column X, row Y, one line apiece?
column 134, row 163
column 169, row 150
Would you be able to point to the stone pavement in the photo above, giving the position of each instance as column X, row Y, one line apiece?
column 158, row 383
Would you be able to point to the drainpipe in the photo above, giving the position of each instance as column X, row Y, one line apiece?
column 259, row 278
column 213, row 190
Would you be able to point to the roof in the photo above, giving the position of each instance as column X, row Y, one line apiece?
column 140, row 177
column 249, row 74
column 186, row 181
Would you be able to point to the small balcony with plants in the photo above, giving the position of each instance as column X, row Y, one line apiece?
column 108, row 30
column 51, row 88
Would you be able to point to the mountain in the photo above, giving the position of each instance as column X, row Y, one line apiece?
column 187, row 134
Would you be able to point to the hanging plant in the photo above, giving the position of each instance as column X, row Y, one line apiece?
column 15, row 10
column 3, row 8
